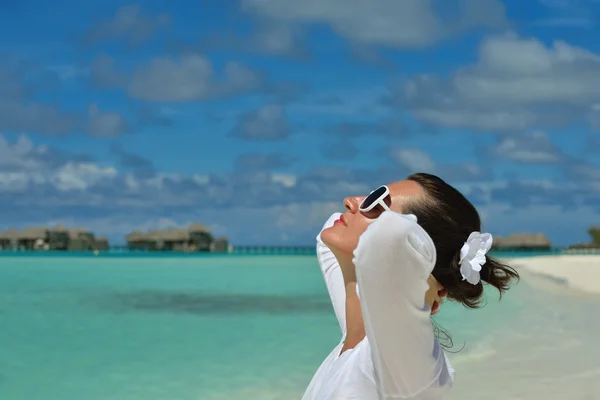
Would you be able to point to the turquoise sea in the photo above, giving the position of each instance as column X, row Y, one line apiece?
column 187, row 328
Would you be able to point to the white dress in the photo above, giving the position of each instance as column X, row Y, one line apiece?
column 399, row 358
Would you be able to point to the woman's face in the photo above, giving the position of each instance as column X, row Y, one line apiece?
column 342, row 238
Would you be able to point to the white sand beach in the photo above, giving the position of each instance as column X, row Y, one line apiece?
column 577, row 274
column 550, row 349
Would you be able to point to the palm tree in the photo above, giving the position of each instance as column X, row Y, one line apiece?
column 594, row 232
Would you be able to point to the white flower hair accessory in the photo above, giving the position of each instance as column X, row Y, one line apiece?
column 472, row 256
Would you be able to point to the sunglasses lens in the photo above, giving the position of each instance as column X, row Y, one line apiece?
column 372, row 198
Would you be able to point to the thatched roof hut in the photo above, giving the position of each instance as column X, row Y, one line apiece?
column 136, row 236
column 154, row 235
column 74, row 233
column 12, row 233
column 171, row 234
column 174, row 235
column 33, row 233
column 219, row 245
column 102, row 243
column 195, row 237
column 198, row 228
column 9, row 237
column 523, row 241
column 55, row 238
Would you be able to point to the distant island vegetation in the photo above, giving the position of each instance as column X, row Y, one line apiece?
column 594, row 233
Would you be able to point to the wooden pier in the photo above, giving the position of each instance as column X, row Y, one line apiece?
column 253, row 250
column 595, row 251
column 274, row 250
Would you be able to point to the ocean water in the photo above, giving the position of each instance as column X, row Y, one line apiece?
column 192, row 328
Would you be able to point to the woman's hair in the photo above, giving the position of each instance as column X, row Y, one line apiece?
column 449, row 218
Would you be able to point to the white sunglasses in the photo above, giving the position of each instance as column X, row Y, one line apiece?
column 375, row 198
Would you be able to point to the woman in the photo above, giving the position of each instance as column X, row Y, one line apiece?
column 388, row 263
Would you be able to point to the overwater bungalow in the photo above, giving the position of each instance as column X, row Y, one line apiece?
column 56, row 238
column 194, row 238
column 8, row 239
column 82, row 240
column 522, row 241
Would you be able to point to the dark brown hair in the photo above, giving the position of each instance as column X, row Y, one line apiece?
column 449, row 218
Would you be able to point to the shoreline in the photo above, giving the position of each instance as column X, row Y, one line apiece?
column 547, row 348
column 572, row 274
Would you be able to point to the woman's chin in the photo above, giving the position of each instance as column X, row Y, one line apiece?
column 331, row 238
column 335, row 236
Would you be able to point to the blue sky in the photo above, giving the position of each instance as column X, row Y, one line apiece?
column 257, row 117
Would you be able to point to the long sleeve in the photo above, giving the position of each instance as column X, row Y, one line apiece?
column 332, row 275
column 393, row 260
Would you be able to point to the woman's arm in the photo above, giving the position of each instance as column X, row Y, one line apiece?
column 393, row 260
column 333, row 275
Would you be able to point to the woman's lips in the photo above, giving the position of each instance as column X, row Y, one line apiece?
column 340, row 220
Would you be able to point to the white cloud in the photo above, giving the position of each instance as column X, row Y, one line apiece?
column 37, row 180
column 344, row 102
column 414, row 159
column 19, row 116
column 21, row 111
column 593, row 116
column 25, row 165
column 532, row 148
column 525, row 71
column 392, row 23
column 191, row 77
column 272, row 37
column 516, row 83
column 589, row 173
column 129, row 23
column 23, row 154
column 106, row 124
column 104, row 72
column 80, row 176
column 277, row 39
column 266, row 123
column 70, row 177
column 305, row 216
column 479, row 120
column 14, row 182
column 287, row 180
